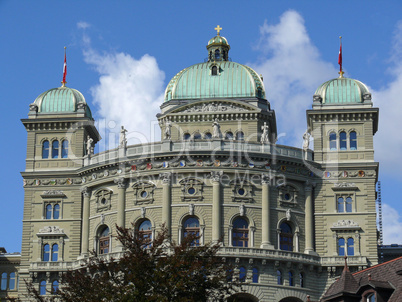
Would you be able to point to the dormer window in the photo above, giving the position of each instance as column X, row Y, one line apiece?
column 214, row 71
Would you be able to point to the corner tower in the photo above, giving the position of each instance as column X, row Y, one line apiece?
column 343, row 122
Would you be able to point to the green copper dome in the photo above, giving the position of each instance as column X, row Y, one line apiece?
column 200, row 81
column 218, row 40
column 342, row 91
column 61, row 100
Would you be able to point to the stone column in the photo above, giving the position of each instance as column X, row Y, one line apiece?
column 86, row 193
column 121, row 201
column 266, row 242
column 309, row 220
column 167, row 201
column 216, row 206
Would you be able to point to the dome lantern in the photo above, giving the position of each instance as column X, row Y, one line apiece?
column 218, row 47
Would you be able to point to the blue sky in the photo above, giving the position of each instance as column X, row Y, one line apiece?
column 121, row 54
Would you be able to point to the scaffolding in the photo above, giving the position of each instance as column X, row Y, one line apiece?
column 379, row 206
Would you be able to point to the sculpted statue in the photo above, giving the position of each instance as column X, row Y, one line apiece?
column 168, row 130
column 217, row 129
column 90, row 149
column 265, row 134
column 306, row 140
column 123, row 140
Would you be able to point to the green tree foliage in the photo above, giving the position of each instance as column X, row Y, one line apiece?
column 161, row 271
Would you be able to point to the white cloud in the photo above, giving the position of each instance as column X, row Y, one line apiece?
column 388, row 141
column 392, row 225
column 293, row 69
column 83, row 25
column 129, row 93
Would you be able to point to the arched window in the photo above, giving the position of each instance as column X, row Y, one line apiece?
column 3, row 281
column 11, row 284
column 214, row 70
column 49, row 211
column 240, row 136
column 301, row 280
column 370, row 298
column 191, row 226
column 242, row 274
column 42, row 288
column 342, row 140
column 351, row 247
column 46, row 252
column 55, row 149
column 341, row 205
column 145, row 232
column 55, row 286
column 197, row 135
column 240, row 232
column 229, row 135
column 208, row 135
column 353, row 140
column 55, row 252
column 286, row 237
column 348, row 204
column 56, row 211
column 255, row 275
column 341, row 247
column 45, row 149
column 104, row 241
column 291, row 281
column 64, row 149
column 186, row 136
column 279, row 279
column 332, row 141
column 217, row 54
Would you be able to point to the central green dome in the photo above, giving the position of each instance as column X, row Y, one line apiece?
column 232, row 80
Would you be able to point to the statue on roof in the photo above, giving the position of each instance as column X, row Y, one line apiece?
column 217, row 129
column 123, row 139
column 265, row 134
column 90, row 149
column 168, row 130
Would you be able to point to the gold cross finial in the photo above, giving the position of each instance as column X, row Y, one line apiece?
column 218, row 29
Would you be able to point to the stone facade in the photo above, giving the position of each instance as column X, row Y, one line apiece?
column 280, row 211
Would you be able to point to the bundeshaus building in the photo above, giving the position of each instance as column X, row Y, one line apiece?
column 286, row 216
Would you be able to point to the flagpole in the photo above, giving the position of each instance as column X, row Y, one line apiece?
column 63, row 83
column 340, row 58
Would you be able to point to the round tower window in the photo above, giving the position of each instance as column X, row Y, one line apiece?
column 191, row 191
column 241, row 191
column 144, row 194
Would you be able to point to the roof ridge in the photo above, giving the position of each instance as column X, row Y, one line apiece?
column 377, row 265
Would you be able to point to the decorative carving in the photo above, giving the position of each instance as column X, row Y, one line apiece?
column 143, row 192
column 143, row 210
column 317, row 98
column 191, row 209
column 192, row 189
column 242, row 191
column 341, row 186
column 242, row 210
column 214, row 107
column 216, row 176
column 33, row 107
column 53, row 193
column 345, row 224
column 121, row 182
column 166, row 177
column 288, row 196
column 86, row 192
column 54, row 230
column 265, row 179
column 306, row 142
column 288, row 215
column 367, row 96
column 103, row 199
column 81, row 106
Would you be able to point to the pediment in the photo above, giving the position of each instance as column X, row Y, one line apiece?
column 206, row 107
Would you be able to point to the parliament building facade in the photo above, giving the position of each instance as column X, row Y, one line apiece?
column 286, row 216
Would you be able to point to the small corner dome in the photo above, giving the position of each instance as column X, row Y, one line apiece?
column 61, row 100
column 342, row 91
